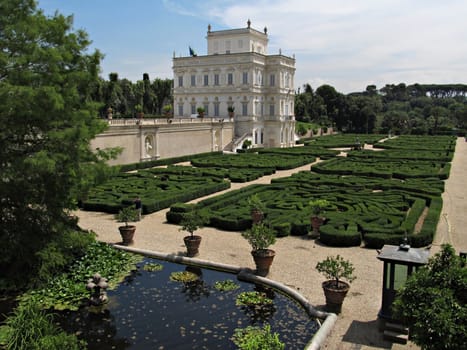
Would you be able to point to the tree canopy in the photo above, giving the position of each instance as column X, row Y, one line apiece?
column 433, row 302
column 47, row 118
column 401, row 108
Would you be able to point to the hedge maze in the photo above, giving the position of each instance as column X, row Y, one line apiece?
column 374, row 201
column 376, row 196
column 255, row 161
column 344, row 141
column 158, row 189
column 385, row 168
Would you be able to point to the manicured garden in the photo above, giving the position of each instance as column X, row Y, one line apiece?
column 375, row 196
column 372, row 201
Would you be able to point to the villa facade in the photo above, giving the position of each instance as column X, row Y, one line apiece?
column 238, row 74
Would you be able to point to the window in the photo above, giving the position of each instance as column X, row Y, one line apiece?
column 206, row 80
column 206, row 109
column 216, row 109
column 193, row 109
column 180, row 80
column 272, row 80
column 245, row 77
column 271, row 110
column 216, row 79
column 230, row 78
column 180, row 110
column 193, row 80
column 244, row 109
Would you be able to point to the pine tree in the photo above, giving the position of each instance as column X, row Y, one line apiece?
column 47, row 120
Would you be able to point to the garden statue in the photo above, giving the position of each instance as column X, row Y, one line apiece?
column 97, row 285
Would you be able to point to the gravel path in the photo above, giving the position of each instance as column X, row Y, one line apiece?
column 296, row 257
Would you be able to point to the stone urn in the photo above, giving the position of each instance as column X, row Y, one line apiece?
column 127, row 232
column 256, row 216
column 335, row 294
column 316, row 222
column 192, row 244
column 263, row 260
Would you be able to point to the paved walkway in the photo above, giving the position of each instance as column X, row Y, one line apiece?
column 296, row 257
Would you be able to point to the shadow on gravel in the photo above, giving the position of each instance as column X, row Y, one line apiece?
column 365, row 333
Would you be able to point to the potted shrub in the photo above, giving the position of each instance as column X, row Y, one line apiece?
column 317, row 211
column 126, row 215
column 201, row 112
column 257, row 208
column 260, row 236
column 167, row 110
column 335, row 268
column 231, row 111
column 190, row 222
column 139, row 111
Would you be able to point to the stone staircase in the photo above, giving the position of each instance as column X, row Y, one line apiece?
column 396, row 333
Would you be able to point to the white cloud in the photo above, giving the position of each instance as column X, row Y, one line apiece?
column 355, row 43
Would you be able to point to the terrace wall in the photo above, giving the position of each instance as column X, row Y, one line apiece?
column 157, row 138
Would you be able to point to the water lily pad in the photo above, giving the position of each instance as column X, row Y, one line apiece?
column 183, row 276
column 225, row 286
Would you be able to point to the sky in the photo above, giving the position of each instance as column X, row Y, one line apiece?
column 348, row 44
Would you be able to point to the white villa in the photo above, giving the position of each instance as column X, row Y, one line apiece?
column 238, row 72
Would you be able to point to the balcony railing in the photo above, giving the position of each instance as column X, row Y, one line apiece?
column 164, row 121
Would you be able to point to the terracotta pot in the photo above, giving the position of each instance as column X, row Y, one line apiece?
column 127, row 233
column 335, row 295
column 316, row 223
column 263, row 259
column 256, row 216
column 192, row 245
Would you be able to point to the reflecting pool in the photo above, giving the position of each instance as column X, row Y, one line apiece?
column 150, row 311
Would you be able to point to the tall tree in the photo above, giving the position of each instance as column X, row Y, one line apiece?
column 433, row 302
column 48, row 119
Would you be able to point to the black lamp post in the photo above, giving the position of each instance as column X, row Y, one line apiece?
column 399, row 263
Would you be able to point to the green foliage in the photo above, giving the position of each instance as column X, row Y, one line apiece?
column 253, row 160
column 192, row 221
column 157, row 188
column 433, row 302
column 67, row 290
column 336, row 268
column 61, row 252
column 226, row 286
column 153, row 267
column 47, row 81
column 260, row 236
column 246, row 144
column 301, row 129
column 255, row 203
column 252, row 298
column 256, row 338
column 183, row 276
column 318, row 205
column 30, row 328
column 138, row 108
column 126, row 215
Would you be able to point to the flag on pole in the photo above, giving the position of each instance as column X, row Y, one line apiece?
column 192, row 52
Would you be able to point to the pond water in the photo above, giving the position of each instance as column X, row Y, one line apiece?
column 149, row 311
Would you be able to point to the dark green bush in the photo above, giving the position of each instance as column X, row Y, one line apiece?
column 339, row 236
